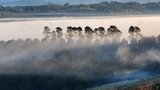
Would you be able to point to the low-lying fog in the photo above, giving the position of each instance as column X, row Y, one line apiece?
column 12, row 28
column 93, row 64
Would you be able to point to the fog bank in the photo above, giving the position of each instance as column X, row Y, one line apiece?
column 32, row 28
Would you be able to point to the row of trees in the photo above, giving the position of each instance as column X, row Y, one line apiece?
column 77, row 37
column 88, row 35
column 103, row 7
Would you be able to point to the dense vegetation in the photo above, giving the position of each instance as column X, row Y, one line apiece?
column 97, row 8
column 45, row 82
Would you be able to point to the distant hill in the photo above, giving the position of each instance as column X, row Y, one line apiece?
column 40, row 2
column 105, row 8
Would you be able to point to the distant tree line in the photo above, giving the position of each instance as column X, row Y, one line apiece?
column 103, row 8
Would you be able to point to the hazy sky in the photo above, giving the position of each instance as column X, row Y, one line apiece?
column 37, row 2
